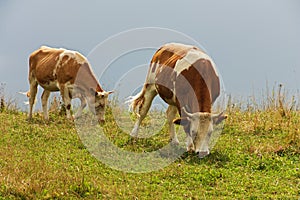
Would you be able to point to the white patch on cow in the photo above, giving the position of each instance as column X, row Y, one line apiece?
column 58, row 59
column 45, row 47
column 180, row 45
column 70, row 54
column 174, row 91
column 186, row 62
column 79, row 58
column 66, row 61
column 191, row 57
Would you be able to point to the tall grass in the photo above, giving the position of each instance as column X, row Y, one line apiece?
column 7, row 103
column 275, row 112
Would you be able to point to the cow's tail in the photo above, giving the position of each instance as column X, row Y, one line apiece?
column 135, row 102
column 27, row 94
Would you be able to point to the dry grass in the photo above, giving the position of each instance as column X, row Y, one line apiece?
column 276, row 114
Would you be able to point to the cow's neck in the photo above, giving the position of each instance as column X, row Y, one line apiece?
column 87, row 80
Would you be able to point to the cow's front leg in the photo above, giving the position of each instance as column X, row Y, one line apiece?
column 65, row 93
column 171, row 114
column 82, row 106
column 189, row 143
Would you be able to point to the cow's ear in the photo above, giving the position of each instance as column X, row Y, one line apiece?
column 110, row 92
column 218, row 118
column 181, row 121
column 93, row 92
column 105, row 94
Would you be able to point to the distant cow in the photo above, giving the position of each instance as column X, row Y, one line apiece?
column 186, row 78
column 68, row 72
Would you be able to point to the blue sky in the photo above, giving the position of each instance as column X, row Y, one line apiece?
column 252, row 42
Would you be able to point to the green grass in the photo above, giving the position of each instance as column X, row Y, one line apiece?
column 256, row 157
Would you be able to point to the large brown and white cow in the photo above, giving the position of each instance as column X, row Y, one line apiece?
column 185, row 77
column 58, row 69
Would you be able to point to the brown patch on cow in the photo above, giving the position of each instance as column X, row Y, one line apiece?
column 168, row 55
column 68, row 107
column 192, row 89
column 164, row 82
column 167, row 93
column 165, row 59
column 42, row 64
column 64, row 59
column 206, row 71
column 196, row 87
column 138, row 103
column 67, row 70
column 46, row 66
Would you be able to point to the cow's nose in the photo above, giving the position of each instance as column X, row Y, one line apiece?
column 202, row 154
column 101, row 121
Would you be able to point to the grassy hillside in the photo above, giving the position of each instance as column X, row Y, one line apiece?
column 256, row 157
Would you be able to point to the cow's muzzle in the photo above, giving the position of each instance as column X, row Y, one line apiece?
column 202, row 154
column 101, row 121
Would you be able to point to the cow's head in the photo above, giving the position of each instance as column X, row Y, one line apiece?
column 198, row 127
column 97, row 103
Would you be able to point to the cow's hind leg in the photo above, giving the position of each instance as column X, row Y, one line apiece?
column 171, row 114
column 143, row 102
column 32, row 94
column 44, row 98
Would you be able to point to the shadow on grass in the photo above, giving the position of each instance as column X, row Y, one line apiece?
column 39, row 120
column 215, row 158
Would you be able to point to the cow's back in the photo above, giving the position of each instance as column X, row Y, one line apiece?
column 185, row 75
column 43, row 63
column 54, row 66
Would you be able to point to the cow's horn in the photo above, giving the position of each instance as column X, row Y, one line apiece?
column 218, row 118
column 186, row 112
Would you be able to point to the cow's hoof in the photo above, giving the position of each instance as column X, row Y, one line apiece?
column 134, row 132
column 101, row 121
column 71, row 118
column 174, row 141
